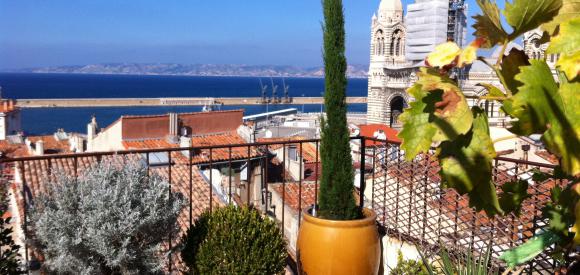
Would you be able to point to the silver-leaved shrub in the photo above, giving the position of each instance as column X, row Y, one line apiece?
column 112, row 219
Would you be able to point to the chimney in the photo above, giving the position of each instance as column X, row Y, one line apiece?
column 39, row 148
column 77, row 143
column 173, row 124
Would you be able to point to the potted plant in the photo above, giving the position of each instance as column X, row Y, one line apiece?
column 341, row 238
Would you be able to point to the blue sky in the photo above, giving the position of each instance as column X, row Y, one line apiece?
column 77, row 32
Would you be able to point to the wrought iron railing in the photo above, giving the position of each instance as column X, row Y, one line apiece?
column 281, row 179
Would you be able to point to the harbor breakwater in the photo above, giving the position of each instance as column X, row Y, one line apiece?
column 177, row 101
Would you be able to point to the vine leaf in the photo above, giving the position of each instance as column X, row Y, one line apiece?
column 567, row 43
column 540, row 108
column 488, row 26
column 510, row 67
column 514, row 193
column 443, row 55
column 450, row 112
column 469, row 54
column 418, row 132
column 530, row 249
column 569, row 9
column 568, row 38
column 526, row 15
column 562, row 137
column 570, row 64
column 529, row 105
column 466, row 165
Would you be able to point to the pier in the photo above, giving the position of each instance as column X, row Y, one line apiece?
column 174, row 101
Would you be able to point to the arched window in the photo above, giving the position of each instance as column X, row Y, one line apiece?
column 379, row 43
column 399, row 47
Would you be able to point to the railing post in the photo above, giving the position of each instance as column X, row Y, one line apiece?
column 300, row 174
column 190, row 164
column 362, row 172
column 266, row 160
column 210, row 180
column 230, row 174
column 23, row 176
column 170, row 255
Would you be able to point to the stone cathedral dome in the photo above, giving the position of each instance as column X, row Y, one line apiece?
column 390, row 6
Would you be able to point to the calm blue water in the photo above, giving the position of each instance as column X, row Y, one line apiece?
column 47, row 120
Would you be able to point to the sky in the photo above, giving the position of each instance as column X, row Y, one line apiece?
column 37, row 33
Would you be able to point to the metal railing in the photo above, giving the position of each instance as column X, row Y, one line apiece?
column 277, row 178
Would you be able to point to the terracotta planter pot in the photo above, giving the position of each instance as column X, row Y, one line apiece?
column 339, row 247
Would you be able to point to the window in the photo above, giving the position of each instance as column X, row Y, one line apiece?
column 157, row 159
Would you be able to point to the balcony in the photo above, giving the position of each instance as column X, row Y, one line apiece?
column 280, row 178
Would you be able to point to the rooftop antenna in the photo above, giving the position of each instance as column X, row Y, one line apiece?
column 274, row 88
column 264, row 91
column 285, row 87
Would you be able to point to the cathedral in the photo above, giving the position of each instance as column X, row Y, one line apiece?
column 400, row 44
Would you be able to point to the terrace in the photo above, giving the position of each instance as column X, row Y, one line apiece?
column 413, row 211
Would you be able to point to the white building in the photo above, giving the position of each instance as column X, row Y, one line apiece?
column 400, row 44
column 9, row 118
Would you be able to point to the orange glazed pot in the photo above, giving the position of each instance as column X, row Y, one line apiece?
column 339, row 247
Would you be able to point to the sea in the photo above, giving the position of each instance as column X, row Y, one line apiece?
column 43, row 121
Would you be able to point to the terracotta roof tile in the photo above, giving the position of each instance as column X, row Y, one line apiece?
column 202, row 156
column 368, row 130
column 292, row 194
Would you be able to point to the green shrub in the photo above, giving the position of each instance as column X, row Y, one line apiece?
column 10, row 260
column 234, row 240
column 409, row 267
column 109, row 220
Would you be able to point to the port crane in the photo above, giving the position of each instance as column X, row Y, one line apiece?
column 264, row 99
column 275, row 98
column 287, row 98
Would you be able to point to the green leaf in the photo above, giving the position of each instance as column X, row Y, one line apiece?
column 569, row 9
column 510, row 67
column 562, row 136
column 530, row 249
column 568, row 38
column 418, row 132
column 570, row 64
column 543, row 109
column 529, row 105
column 526, row 15
column 567, row 43
column 466, row 164
column 514, row 193
column 488, row 26
column 450, row 113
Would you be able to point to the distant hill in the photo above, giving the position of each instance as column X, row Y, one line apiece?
column 354, row 71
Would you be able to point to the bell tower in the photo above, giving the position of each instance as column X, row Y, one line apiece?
column 388, row 36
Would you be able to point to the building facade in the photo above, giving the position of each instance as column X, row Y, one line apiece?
column 400, row 44
column 10, row 123
column 389, row 72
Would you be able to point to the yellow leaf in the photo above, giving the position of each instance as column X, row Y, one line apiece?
column 443, row 55
column 469, row 54
column 570, row 64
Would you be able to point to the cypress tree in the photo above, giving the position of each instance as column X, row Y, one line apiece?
column 336, row 199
